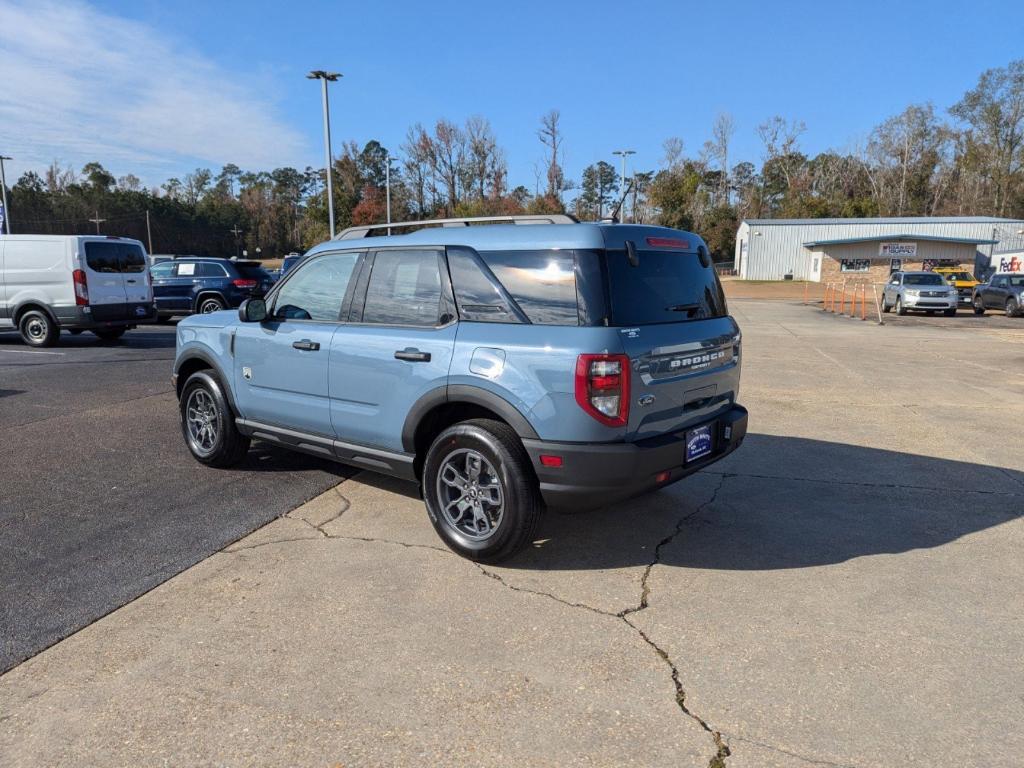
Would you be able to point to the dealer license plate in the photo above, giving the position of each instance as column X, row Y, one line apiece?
column 698, row 442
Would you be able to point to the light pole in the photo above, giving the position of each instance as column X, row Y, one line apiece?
column 387, row 185
column 624, row 153
column 327, row 77
column 3, row 187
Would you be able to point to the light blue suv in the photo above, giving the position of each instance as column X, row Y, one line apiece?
column 504, row 368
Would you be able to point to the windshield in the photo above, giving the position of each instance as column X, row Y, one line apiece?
column 923, row 280
column 665, row 287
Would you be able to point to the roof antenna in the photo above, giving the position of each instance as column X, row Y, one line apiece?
column 613, row 217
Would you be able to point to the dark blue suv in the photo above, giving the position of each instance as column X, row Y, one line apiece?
column 203, row 285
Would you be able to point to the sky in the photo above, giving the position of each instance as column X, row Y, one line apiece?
column 160, row 88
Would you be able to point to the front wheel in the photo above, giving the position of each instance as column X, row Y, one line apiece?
column 207, row 423
column 885, row 307
column 900, row 309
column 480, row 492
column 1012, row 307
column 979, row 306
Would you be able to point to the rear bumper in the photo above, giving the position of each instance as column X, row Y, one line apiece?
column 104, row 316
column 597, row 474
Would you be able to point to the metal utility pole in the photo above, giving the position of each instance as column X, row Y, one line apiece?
column 327, row 77
column 149, row 233
column 624, row 153
column 3, row 187
column 97, row 221
column 236, row 232
column 387, row 186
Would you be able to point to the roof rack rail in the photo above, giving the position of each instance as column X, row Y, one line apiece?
column 354, row 233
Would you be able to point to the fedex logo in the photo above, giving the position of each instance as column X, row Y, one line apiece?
column 1012, row 264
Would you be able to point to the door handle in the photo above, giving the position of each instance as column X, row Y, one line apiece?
column 412, row 355
column 306, row 344
column 130, row 281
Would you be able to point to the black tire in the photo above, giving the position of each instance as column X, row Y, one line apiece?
column 507, row 467
column 950, row 312
column 979, row 306
column 204, row 395
column 76, row 331
column 900, row 309
column 109, row 334
column 1012, row 307
column 38, row 329
column 208, row 304
column 885, row 307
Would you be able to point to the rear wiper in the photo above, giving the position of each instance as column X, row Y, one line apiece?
column 690, row 309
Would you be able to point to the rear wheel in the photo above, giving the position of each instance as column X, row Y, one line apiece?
column 210, row 304
column 207, row 423
column 1012, row 307
column 37, row 329
column 480, row 492
column 110, row 334
column 979, row 306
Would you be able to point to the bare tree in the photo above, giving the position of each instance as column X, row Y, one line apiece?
column 551, row 137
column 722, row 133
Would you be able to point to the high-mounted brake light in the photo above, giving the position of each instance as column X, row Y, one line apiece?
column 602, row 388
column 244, row 283
column 81, row 288
column 669, row 242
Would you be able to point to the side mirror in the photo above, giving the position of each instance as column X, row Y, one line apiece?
column 253, row 311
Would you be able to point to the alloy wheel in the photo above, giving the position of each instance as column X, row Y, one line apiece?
column 201, row 420
column 470, row 495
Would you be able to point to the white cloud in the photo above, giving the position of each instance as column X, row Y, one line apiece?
column 79, row 84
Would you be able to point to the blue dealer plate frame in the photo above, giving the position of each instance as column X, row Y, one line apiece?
column 699, row 442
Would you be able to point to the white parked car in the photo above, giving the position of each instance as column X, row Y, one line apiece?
column 50, row 283
column 919, row 292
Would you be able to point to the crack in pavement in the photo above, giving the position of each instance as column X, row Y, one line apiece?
column 722, row 750
column 798, row 756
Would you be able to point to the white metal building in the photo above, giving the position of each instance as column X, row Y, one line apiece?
column 805, row 249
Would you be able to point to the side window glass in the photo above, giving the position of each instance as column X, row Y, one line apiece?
column 316, row 289
column 478, row 299
column 543, row 283
column 404, row 289
column 185, row 269
column 161, row 271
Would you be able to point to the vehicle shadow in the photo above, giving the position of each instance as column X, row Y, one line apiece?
column 785, row 502
column 141, row 338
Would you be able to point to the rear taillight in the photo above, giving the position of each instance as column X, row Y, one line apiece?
column 81, row 288
column 244, row 283
column 602, row 387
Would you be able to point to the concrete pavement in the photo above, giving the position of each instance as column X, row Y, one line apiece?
column 844, row 590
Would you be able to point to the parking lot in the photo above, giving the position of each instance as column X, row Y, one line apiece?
column 844, row 590
column 99, row 500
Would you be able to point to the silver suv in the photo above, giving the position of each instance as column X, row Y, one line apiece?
column 920, row 292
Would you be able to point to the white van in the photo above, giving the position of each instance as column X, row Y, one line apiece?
column 50, row 283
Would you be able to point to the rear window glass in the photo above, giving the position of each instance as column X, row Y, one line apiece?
column 923, row 280
column 666, row 287
column 543, row 283
column 114, row 257
column 251, row 271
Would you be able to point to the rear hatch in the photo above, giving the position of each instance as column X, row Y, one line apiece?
column 253, row 271
column 674, row 325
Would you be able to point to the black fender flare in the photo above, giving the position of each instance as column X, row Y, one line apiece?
column 463, row 393
column 198, row 354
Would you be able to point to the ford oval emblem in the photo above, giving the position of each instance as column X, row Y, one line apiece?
column 646, row 400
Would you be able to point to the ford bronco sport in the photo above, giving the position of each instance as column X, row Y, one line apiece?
column 504, row 368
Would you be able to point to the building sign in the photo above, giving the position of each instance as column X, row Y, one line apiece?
column 854, row 265
column 898, row 250
column 1011, row 262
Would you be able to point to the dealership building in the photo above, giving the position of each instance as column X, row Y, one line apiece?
column 825, row 250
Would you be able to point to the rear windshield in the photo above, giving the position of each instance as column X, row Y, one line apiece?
column 963, row 276
column 665, row 287
column 114, row 257
column 923, row 280
column 251, row 271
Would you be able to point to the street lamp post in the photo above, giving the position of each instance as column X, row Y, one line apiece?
column 3, row 187
column 624, row 153
column 327, row 77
